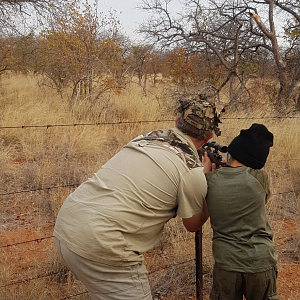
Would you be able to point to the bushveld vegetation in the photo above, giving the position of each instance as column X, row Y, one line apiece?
column 76, row 92
column 43, row 161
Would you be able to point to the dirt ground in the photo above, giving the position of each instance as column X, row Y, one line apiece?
column 287, row 243
column 24, row 254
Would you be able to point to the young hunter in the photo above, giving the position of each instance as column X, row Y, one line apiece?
column 104, row 227
column 245, row 260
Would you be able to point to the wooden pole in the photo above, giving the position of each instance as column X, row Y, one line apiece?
column 199, row 265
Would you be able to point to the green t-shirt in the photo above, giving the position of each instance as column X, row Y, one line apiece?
column 242, row 237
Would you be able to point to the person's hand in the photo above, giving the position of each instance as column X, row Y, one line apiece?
column 207, row 164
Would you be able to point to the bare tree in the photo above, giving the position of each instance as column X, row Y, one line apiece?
column 83, row 51
column 232, row 31
column 14, row 13
column 19, row 20
column 266, row 33
column 139, row 59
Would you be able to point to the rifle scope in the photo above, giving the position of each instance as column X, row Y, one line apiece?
column 216, row 146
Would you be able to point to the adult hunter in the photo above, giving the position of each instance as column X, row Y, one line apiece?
column 104, row 227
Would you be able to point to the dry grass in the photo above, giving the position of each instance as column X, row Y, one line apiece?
column 41, row 158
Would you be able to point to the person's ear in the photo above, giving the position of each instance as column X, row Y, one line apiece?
column 176, row 120
column 209, row 137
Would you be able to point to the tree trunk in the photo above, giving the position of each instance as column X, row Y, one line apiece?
column 297, row 104
column 284, row 95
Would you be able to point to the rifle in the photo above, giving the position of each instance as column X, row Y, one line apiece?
column 216, row 158
column 212, row 149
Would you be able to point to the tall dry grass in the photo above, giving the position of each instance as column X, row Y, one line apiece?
column 45, row 164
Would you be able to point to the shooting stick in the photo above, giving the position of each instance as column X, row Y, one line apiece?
column 199, row 266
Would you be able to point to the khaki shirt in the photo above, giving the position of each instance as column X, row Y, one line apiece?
column 121, row 211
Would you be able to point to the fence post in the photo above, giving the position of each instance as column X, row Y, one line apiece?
column 199, row 266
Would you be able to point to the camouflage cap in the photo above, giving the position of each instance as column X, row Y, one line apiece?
column 200, row 114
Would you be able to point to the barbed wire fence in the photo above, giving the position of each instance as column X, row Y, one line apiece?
column 31, row 269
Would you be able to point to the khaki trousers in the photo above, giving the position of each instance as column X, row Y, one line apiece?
column 106, row 282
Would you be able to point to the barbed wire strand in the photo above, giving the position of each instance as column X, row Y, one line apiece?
column 23, row 281
column 137, row 122
column 73, row 296
column 171, row 266
column 48, row 237
column 84, row 124
column 38, row 240
column 30, row 279
column 52, row 236
column 40, row 189
column 76, row 185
